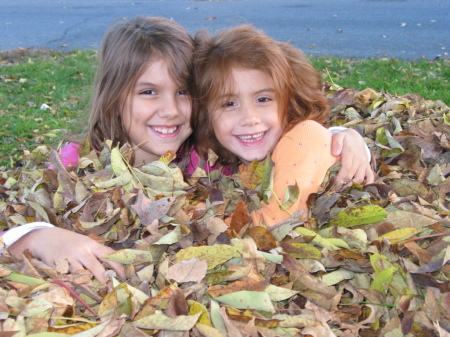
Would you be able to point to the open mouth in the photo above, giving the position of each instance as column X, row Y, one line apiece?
column 252, row 138
column 165, row 130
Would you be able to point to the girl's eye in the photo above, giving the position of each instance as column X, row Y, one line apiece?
column 183, row 92
column 229, row 104
column 263, row 99
column 148, row 92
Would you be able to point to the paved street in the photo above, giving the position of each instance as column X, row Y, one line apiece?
column 408, row 29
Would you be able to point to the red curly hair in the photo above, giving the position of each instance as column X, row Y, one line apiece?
column 298, row 84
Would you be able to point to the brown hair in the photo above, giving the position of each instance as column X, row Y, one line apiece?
column 298, row 84
column 127, row 49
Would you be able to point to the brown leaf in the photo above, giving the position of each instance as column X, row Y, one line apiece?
column 263, row 238
column 246, row 283
column 423, row 256
column 193, row 270
column 177, row 304
column 149, row 210
column 240, row 218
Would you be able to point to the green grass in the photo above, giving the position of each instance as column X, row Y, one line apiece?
column 61, row 81
column 430, row 79
column 30, row 78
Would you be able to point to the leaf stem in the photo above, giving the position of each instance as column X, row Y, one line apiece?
column 380, row 304
column 74, row 294
column 279, row 203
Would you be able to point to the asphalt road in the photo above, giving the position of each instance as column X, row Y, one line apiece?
column 406, row 29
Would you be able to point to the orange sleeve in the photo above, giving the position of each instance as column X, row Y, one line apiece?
column 302, row 155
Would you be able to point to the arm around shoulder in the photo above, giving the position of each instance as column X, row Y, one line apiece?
column 302, row 157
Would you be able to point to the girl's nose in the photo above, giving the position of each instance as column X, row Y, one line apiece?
column 169, row 108
column 250, row 116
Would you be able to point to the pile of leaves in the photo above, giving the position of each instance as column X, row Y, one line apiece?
column 369, row 261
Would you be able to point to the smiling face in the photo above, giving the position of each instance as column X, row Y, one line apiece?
column 246, row 120
column 156, row 114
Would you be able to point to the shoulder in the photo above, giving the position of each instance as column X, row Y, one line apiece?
column 307, row 129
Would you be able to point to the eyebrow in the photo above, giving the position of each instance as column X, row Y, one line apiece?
column 145, row 84
column 255, row 93
column 265, row 89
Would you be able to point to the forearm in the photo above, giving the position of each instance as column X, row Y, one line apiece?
column 17, row 233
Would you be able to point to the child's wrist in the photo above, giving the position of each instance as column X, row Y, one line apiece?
column 16, row 233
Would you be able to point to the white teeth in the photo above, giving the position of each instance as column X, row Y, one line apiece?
column 252, row 138
column 165, row 131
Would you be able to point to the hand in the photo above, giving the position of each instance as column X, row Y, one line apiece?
column 51, row 244
column 355, row 164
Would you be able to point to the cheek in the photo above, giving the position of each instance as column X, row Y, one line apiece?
column 187, row 108
column 126, row 118
column 220, row 126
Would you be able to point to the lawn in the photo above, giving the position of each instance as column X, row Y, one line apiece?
column 45, row 93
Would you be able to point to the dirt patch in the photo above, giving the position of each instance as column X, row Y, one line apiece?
column 18, row 55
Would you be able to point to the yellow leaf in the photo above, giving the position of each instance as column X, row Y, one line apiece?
column 399, row 235
column 214, row 255
column 168, row 157
column 252, row 175
column 117, row 163
column 195, row 308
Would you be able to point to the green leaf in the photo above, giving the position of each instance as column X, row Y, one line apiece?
column 381, row 136
column 397, row 283
column 20, row 278
column 350, row 217
column 245, row 299
column 447, row 118
column 330, row 243
column 290, row 196
column 268, row 191
column 267, row 174
column 383, row 279
column 129, row 256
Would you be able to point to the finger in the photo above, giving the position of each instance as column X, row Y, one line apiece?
column 75, row 265
column 370, row 176
column 343, row 175
column 337, row 143
column 359, row 176
column 117, row 267
column 91, row 263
